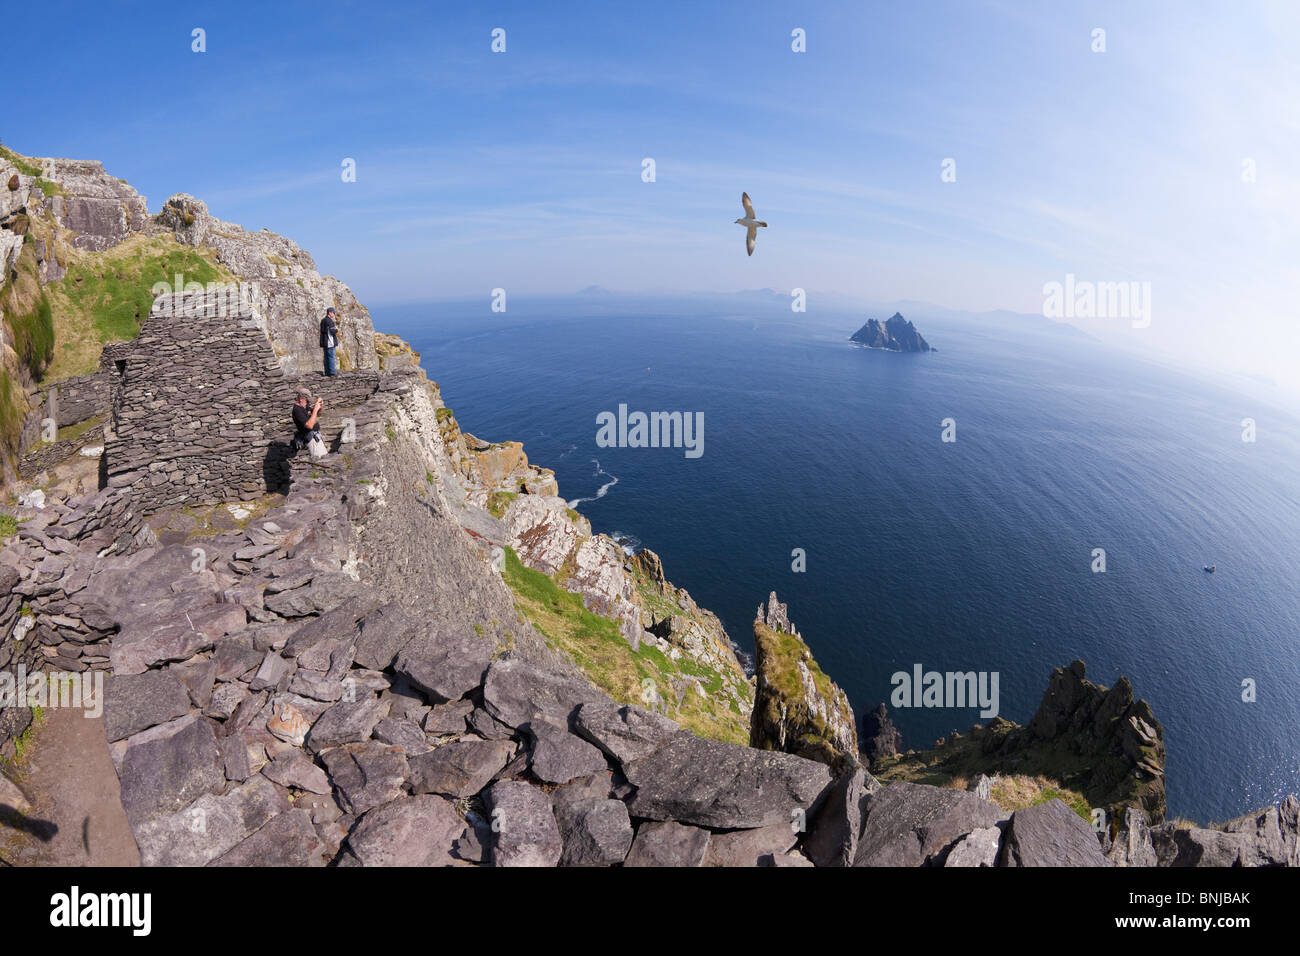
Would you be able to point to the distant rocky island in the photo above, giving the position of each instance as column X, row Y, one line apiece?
column 895, row 334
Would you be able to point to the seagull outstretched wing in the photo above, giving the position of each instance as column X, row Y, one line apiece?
column 750, row 235
column 749, row 206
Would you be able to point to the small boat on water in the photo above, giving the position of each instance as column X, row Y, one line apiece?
column 1209, row 568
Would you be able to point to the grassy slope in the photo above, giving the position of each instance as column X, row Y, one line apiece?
column 596, row 646
column 106, row 296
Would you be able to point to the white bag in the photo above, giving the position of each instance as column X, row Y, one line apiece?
column 316, row 446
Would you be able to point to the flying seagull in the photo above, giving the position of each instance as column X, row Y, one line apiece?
column 750, row 223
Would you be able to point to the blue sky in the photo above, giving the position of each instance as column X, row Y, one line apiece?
column 522, row 170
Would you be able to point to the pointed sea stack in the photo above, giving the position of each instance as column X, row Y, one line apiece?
column 895, row 334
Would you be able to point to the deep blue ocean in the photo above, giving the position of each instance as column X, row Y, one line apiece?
column 970, row 555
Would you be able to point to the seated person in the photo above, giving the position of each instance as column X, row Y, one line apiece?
column 305, row 419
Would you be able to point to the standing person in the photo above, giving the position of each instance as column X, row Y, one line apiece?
column 329, row 339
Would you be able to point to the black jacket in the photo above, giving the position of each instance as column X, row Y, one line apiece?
column 328, row 327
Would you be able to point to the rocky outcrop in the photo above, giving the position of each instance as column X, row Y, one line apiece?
column 895, row 334
column 797, row 708
column 1097, row 741
column 880, row 738
column 283, row 286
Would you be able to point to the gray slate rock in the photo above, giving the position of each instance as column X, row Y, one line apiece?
column 295, row 769
column 169, row 766
column 208, row 827
column 833, row 833
column 625, row 733
column 668, row 844
column 461, row 768
column 558, row 756
column 910, row 824
column 716, row 784
column 977, row 848
column 366, row 775
column 409, row 831
column 516, row 692
column 756, row 847
column 446, row 665
column 289, row 839
column 404, row 734
column 596, row 831
column 346, row 722
column 525, row 830
column 141, row 701
column 384, row 632
column 1050, row 834
column 449, row 718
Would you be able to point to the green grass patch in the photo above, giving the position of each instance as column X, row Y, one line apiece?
column 499, row 501
column 24, row 167
column 595, row 644
column 8, row 525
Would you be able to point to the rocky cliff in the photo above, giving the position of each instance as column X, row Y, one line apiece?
column 895, row 334
column 412, row 651
column 797, row 708
column 1099, row 742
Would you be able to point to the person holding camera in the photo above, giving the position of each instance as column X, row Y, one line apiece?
column 306, row 420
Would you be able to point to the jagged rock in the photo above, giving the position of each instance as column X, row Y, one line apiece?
column 273, row 671
column 404, row 734
column 756, row 847
column 1050, row 834
column 797, row 708
column 1133, row 844
column 461, row 768
column 384, row 632
column 558, row 756
column 366, row 774
column 716, row 784
column 668, row 844
column 235, row 659
column 166, row 767
column 446, row 665
column 895, row 334
column 409, row 831
column 138, row 702
column 516, row 692
column 294, row 769
column 1268, row 838
column 977, row 848
column 524, row 826
column 144, row 643
column 346, row 722
column 595, row 831
column 209, row 827
column 448, row 718
column 880, row 738
column 912, row 825
column 234, row 758
column 624, row 733
column 288, row 839
column 199, row 677
column 487, row 726
column 832, row 838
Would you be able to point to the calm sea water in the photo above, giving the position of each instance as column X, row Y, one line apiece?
column 971, row 555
